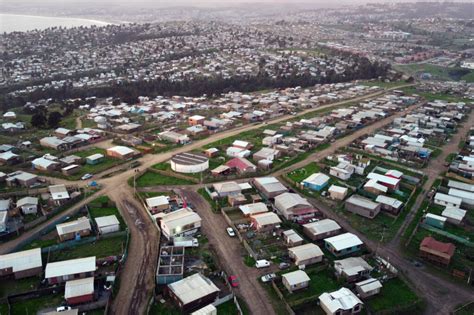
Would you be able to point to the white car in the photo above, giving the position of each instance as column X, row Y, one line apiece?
column 63, row 309
column 230, row 231
column 269, row 277
column 262, row 263
column 86, row 176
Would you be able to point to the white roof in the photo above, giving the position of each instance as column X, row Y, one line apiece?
column 24, row 260
column 352, row 265
column 454, row 213
column 79, row 287
column 70, row 267
column 206, row 310
column 436, row 217
column 27, row 201
column 374, row 184
column 296, row 277
column 193, row 288
column 306, row 251
column 317, row 179
column 465, row 195
column 73, row 226
column 337, row 189
column 42, row 162
column 179, row 218
column 383, row 179
column 252, row 208
column 395, row 203
column 95, row 156
column 322, row 226
column 270, row 184
column 197, row 117
column 58, row 192
column 343, row 241
column 227, row 187
column 394, row 173
column 240, row 143
column 245, row 186
column 287, row 200
column 369, row 285
column 122, row 150
column 157, row 201
column 266, row 218
column 292, row 236
column 448, row 198
column 363, row 202
column 460, row 185
column 342, row 299
column 108, row 220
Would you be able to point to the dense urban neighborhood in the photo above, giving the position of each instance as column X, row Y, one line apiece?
column 285, row 160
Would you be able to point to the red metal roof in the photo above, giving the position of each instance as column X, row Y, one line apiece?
column 431, row 243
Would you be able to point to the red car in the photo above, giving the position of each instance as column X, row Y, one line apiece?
column 234, row 282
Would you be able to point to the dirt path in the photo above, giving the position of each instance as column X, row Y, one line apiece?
column 230, row 251
column 137, row 278
column 79, row 122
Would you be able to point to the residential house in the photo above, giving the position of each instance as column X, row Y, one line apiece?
column 265, row 222
column 266, row 154
column 241, row 165
column 226, row 189
column 454, row 215
column 107, row 224
column 157, row 204
column 292, row 238
column 368, row 288
column 352, row 269
column 305, row 255
column 21, row 264
column 340, row 302
column 389, row 204
column 196, row 120
column 193, row 292
column 20, row 178
column 295, row 280
column 294, row 207
column 79, row 291
column 321, row 229
column 74, row 229
column 121, row 152
column 66, row 270
column 59, row 194
column 343, row 244
column 270, row 187
column 182, row 222
column 316, row 181
column 95, row 159
column 9, row 158
column 447, row 200
column 45, row 165
column 362, row 206
column 253, row 208
column 28, row 205
column 337, row 192
column 436, row 252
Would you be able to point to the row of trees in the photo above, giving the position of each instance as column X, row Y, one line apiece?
column 129, row 91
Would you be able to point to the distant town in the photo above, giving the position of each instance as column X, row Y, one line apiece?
column 230, row 161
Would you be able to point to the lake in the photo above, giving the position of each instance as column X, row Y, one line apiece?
column 16, row 22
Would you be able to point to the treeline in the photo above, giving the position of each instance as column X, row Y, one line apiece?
column 129, row 91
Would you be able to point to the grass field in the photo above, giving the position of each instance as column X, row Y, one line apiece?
column 102, row 206
column 32, row 306
column 11, row 286
column 94, row 169
column 395, row 295
column 102, row 248
column 154, row 179
column 300, row 174
column 438, row 72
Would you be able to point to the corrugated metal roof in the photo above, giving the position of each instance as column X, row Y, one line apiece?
column 70, row 267
column 193, row 288
column 107, row 221
column 24, row 260
column 296, row 277
column 343, row 241
column 79, row 287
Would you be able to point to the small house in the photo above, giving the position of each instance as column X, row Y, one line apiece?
column 107, row 224
column 253, row 208
column 343, row 244
column 447, row 200
column 21, row 264
column 352, row 269
column 74, row 229
column 292, row 238
column 265, row 222
column 62, row 271
column 337, row 192
column 342, row 301
column 79, row 291
column 316, row 181
column 321, row 229
column 28, row 205
column 295, row 280
column 362, row 206
column 454, row 215
column 182, row 222
column 305, row 255
column 436, row 252
column 368, row 288
column 95, row 159
column 434, row 220
column 193, row 292
column 121, row 152
column 157, row 204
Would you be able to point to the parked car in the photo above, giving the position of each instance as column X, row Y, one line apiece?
column 230, row 231
column 262, row 263
column 86, row 176
column 283, row 266
column 268, row 277
column 234, row 282
column 63, row 309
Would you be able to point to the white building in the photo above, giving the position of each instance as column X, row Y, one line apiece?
column 107, row 224
column 342, row 301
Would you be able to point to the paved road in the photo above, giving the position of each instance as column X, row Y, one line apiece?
column 229, row 252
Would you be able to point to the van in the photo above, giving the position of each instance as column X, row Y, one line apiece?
column 262, row 263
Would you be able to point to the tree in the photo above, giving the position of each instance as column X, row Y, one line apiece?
column 38, row 120
column 54, row 119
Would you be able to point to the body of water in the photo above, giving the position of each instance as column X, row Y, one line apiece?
column 22, row 23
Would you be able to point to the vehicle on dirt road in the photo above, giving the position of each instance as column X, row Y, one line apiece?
column 268, row 277
column 230, row 232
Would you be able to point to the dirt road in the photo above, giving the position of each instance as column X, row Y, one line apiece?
column 230, row 251
column 137, row 278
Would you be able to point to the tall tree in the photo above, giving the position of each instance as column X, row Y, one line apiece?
column 38, row 120
column 54, row 119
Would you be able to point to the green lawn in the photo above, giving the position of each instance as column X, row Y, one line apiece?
column 434, row 96
column 12, row 286
column 102, row 248
column 386, row 85
column 227, row 308
column 163, row 309
column 302, row 173
column 249, row 261
column 321, row 281
column 40, row 243
column 107, row 163
column 438, row 72
column 32, row 306
column 395, row 295
column 102, row 206
column 154, row 179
